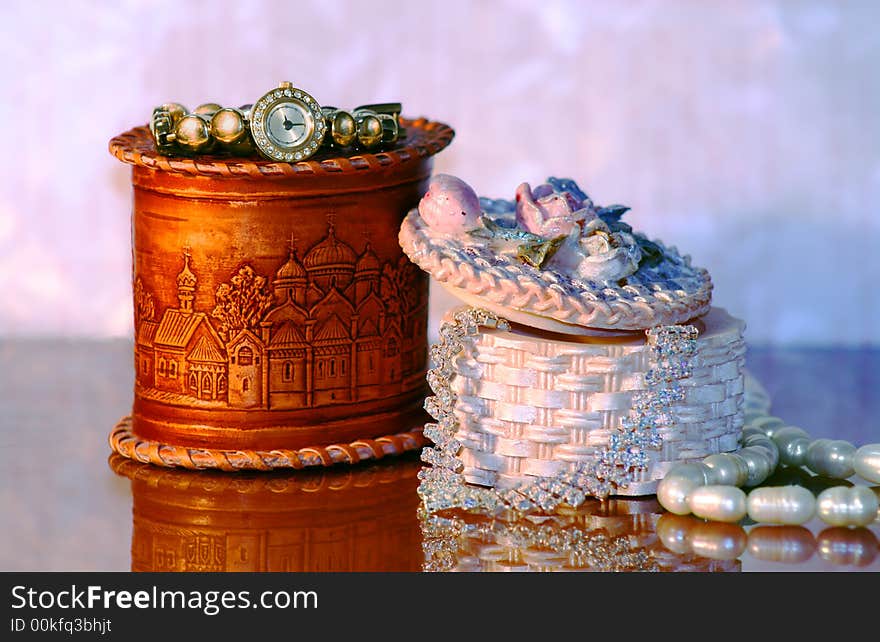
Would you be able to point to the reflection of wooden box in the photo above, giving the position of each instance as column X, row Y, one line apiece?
column 531, row 404
column 273, row 306
column 195, row 522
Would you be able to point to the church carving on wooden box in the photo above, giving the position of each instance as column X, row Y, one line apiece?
column 335, row 327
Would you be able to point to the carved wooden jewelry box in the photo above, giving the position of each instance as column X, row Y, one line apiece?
column 277, row 322
column 588, row 362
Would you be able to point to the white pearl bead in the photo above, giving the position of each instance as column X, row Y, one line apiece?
column 752, row 431
column 727, row 469
column 792, row 443
column 758, row 462
column 842, row 506
column 769, row 425
column 867, row 463
column 864, row 501
column 673, row 492
column 831, row 506
column 697, row 472
column 718, row 503
column 831, row 458
column 767, row 445
column 781, row 505
column 785, row 544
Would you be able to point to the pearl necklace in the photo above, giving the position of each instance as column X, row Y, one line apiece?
column 710, row 489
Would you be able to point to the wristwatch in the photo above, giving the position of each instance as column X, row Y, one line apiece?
column 285, row 124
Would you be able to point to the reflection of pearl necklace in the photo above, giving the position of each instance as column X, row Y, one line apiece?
column 709, row 489
column 686, row 535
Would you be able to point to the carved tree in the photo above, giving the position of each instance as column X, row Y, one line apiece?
column 398, row 287
column 242, row 302
column 389, row 290
column 144, row 306
column 410, row 275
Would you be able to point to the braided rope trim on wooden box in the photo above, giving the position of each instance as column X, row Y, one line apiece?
column 530, row 407
column 425, row 138
column 320, row 480
column 512, row 287
column 126, row 443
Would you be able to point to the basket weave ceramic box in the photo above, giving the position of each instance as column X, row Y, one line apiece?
column 277, row 322
column 588, row 362
column 532, row 406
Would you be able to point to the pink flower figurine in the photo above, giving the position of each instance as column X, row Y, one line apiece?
column 547, row 213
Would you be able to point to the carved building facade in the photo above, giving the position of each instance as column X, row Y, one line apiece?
column 330, row 329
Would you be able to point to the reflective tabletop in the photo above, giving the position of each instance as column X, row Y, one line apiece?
column 68, row 505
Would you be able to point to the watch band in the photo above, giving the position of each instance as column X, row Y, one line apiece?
column 284, row 124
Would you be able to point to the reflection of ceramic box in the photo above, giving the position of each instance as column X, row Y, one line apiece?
column 619, row 535
column 273, row 306
column 531, row 404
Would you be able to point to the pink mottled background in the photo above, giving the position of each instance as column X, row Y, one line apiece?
column 745, row 133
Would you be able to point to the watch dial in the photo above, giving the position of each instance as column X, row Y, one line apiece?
column 289, row 125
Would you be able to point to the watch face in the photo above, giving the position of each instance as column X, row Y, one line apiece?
column 288, row 124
